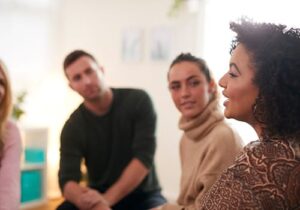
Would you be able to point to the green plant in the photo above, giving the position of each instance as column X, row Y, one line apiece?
column 176, row 6
column 18, row 111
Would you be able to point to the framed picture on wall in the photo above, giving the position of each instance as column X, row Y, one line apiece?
column 132, row 44
column 160, row 43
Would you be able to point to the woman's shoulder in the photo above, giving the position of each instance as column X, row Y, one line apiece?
column 11, row 126
column 270, row 149
column 266, row 167
column 12, row 132
column 270, row 159
column 223, row 131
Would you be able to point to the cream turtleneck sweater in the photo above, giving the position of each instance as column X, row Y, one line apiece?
column 208, row 146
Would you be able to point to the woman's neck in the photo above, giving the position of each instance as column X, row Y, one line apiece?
column 258, row 129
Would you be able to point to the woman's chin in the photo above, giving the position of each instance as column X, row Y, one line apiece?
column 227, row 114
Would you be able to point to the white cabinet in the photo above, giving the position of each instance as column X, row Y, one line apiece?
column 34, row 167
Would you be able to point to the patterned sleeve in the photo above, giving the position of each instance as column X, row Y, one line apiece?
column 265, row 176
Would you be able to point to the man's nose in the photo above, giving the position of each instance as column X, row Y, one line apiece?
column 87, row 80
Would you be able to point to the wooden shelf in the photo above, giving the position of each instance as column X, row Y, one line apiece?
column 32, row 166
column 34, row 174
column 33, row 203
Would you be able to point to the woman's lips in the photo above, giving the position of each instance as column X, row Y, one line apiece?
column 226, row 102
column 187, row 104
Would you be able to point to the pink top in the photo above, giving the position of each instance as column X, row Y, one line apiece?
column 10, row 169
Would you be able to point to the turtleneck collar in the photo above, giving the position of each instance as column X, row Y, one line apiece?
column 199, row 126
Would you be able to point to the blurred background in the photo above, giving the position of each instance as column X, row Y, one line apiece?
column 135, row 41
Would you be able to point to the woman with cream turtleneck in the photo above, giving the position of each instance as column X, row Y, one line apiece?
column 208, row 145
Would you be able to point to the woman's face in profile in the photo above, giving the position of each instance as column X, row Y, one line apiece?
column 239, row 88
column 189, row 88
column 2, row 85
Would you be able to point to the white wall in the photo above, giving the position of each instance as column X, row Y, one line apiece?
column 97, row 25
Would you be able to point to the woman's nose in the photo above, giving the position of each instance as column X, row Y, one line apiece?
column 222, row 81
column 185, row 91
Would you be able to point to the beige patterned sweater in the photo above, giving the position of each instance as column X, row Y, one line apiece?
column 208, row 146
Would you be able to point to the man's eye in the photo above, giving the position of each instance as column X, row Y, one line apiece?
column 174, row 87
column 89, row 71
column 76, row 78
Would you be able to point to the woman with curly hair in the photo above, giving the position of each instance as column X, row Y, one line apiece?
column 10, row 149
column 262, row 88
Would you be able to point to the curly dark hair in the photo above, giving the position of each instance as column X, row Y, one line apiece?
column 275, row 54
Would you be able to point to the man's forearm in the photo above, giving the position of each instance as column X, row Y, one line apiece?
column 84, row 197
column 131, row 177
column 72, row 192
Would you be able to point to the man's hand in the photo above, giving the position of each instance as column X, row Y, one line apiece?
column 85, row 198
column 101, row 206
column 157, row 208
column 131, row 177
column 91, row 198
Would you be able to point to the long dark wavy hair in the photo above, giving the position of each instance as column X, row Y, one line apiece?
column 275, row 54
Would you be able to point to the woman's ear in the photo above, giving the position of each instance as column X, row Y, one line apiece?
column 212, row 87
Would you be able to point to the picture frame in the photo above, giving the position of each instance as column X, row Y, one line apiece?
column 132, row 44
column 160, row 43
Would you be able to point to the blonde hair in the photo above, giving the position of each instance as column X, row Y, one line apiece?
column 5, row 104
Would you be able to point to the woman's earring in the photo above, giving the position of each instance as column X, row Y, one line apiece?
column 254, row 107
column 256, row 111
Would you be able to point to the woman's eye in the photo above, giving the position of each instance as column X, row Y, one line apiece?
column 232, row 74
column 194, row 83
column 2, row 83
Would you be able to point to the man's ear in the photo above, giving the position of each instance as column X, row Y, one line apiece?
column 102, row 69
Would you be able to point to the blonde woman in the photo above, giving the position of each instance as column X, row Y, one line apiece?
column 10, row 149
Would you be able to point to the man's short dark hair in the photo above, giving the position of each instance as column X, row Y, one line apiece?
column 74, row 56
